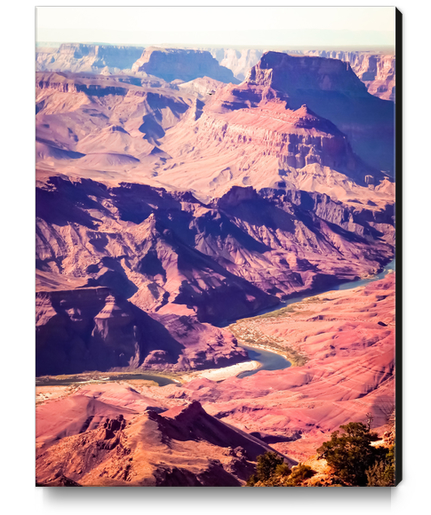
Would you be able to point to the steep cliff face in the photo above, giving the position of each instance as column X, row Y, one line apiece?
column 376, row 70
column 331, row 89
column 78, row 57
column 293, row 74
column 173, row 63
column 269, row 131
column 170, row 253
column 93, row 329
column 294, row 139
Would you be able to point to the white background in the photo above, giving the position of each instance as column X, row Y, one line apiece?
column 17, row 307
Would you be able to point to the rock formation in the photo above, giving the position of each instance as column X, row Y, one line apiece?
column 276, row 130
column 91, row 329
column 172, row 201
column 331, row 89
column 78, row 57
column 348, row 338
column 238, row 60
column 164, row 251
column 180, row 446
column 173, row 63
column 243, row 135
column 376, row 70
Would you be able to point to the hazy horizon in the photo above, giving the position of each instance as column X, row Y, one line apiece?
column 257, row 27
column 346, row 48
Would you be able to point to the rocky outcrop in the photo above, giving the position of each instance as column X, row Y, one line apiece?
column 332, row 90
column 170, row 253
column 182, row 446
column 91, row 329
column 291, row 74
column 297, row 138
column 173, row 63
column 306, row 122
column 375, row 69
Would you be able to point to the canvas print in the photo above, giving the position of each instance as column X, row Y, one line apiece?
column 215, row 246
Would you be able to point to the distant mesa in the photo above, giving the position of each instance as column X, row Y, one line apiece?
column 172, row 63
column 288, row 74
column 330, row 89
column 376, row 70
column 79, row 57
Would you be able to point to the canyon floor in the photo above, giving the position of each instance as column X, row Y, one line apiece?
column 346, row 339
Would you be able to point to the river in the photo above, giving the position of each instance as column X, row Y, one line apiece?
column 273, row 361
column 103, row 377
column 268, row 360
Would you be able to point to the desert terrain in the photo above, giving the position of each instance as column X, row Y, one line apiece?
column 182, row 197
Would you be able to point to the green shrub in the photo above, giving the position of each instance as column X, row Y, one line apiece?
column 252, row 480
column 382, row 473
column 351, row 453
column 282, row 470
column 299, row 473
column 272, row 471
column 267, row 464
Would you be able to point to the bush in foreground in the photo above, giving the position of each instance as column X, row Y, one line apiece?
column 351, row 454
column 267, row 464
column 273, row 471
column 382, row 473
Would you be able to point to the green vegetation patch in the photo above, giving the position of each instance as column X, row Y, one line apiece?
column 247, row 334
column 355, row 460
column 272, row 470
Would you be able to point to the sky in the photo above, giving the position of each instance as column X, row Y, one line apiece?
column 294, row 27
